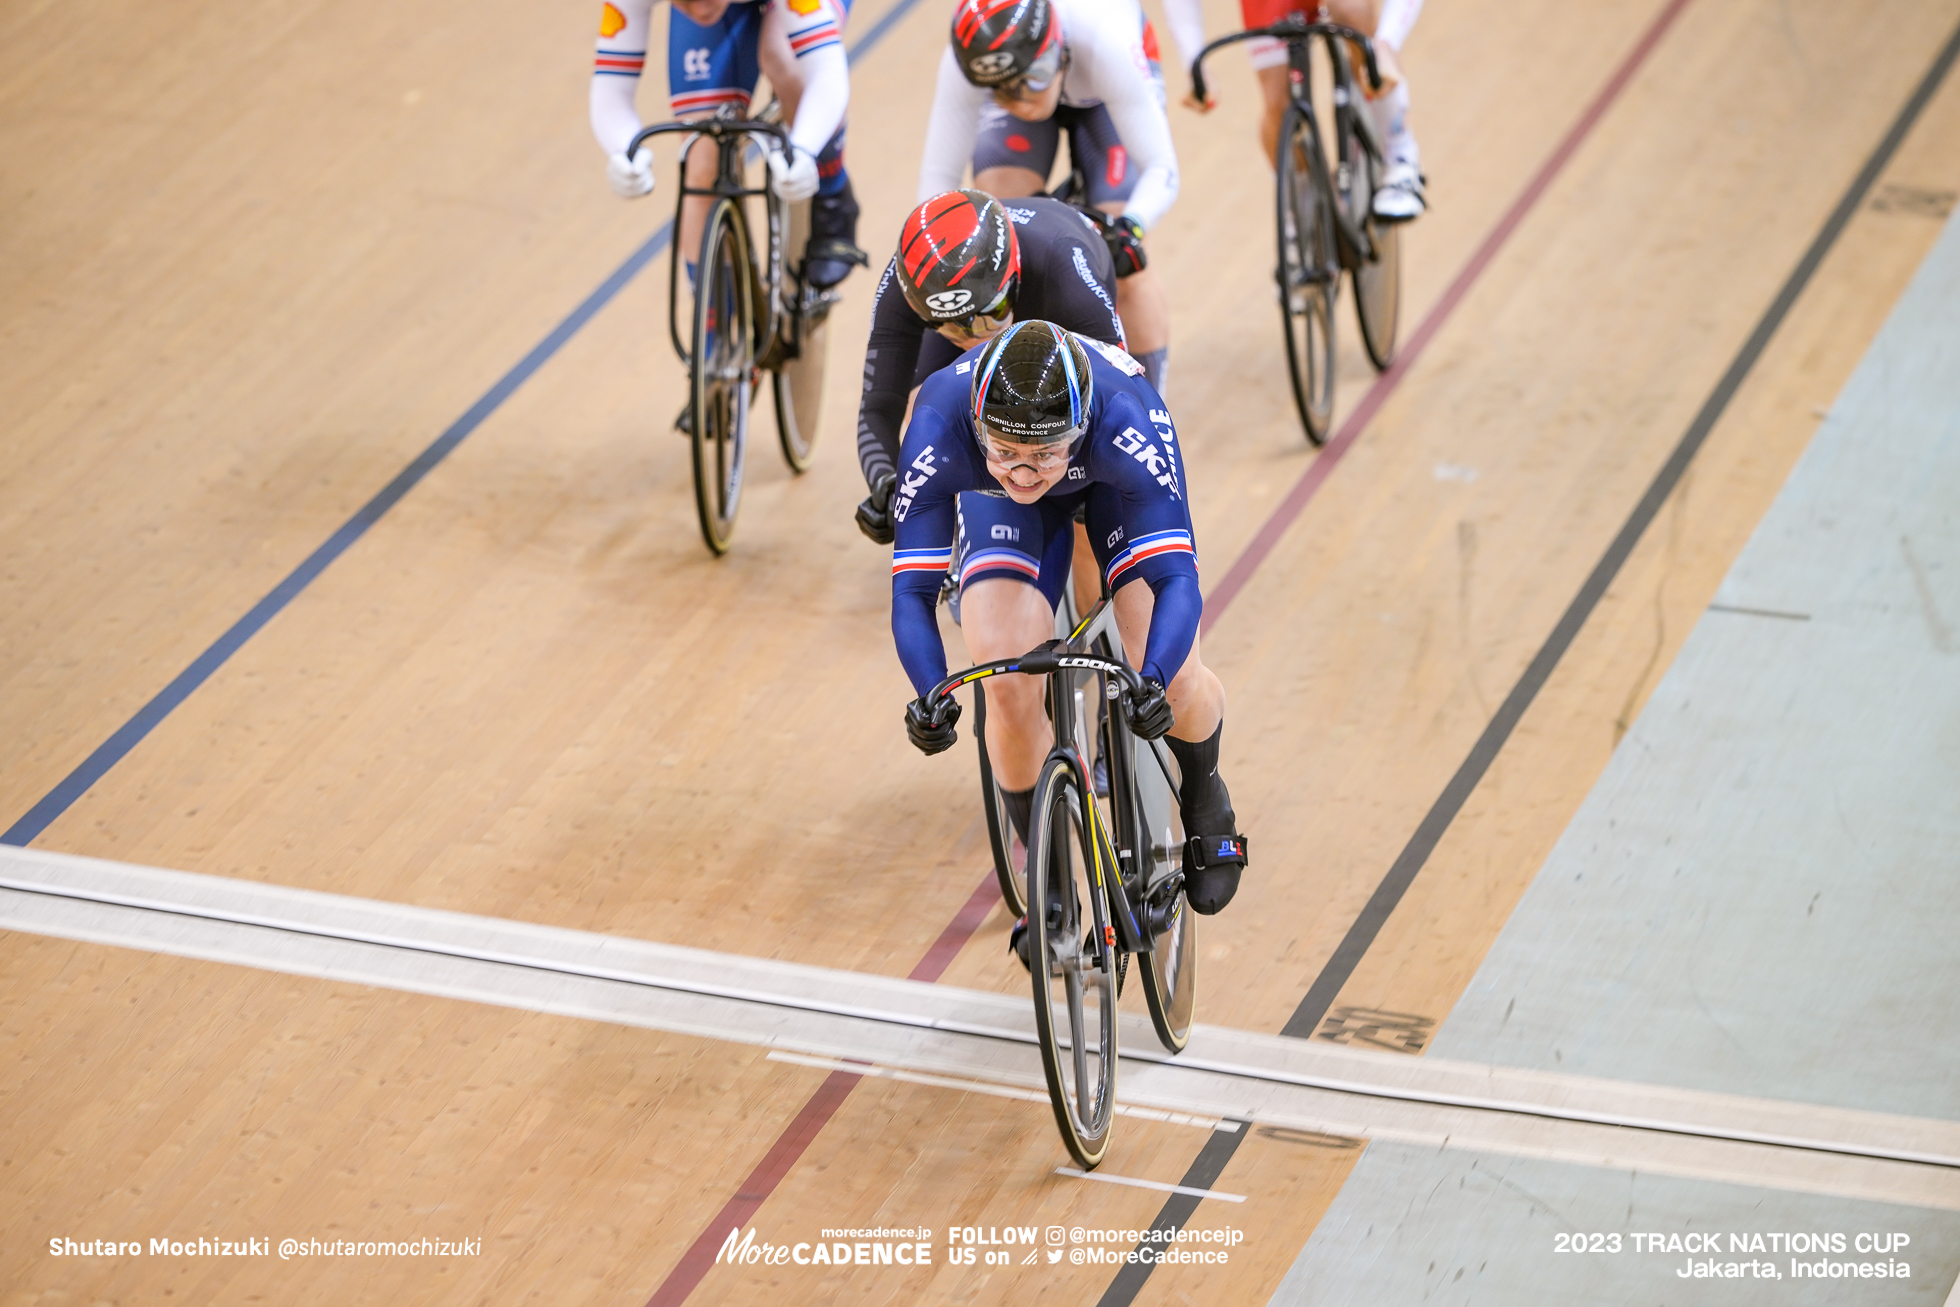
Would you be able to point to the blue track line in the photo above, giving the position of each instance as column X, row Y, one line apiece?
column 132, row 732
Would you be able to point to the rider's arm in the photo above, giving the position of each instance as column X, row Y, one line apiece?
column 1066, row 275
column 621, row 54
column 816, row 38
column 889, row 357
column 1111, row 70
column 951, row 131
column 1145, row 466
column 934, row 470
column 1186, row 19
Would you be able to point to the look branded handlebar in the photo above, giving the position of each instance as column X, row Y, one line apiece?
column 1042, row 660
column 1291, row 28
column 715, row 127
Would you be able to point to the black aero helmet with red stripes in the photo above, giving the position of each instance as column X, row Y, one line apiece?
column 1001, row 42
column 957, row 257
column 1032, row 386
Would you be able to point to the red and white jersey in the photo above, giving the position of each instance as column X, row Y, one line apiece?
column 1106, row 65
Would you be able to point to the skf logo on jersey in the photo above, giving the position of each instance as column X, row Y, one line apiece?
column 911, row 485
column 991, row 65
column 950, row 302
column 611, row 21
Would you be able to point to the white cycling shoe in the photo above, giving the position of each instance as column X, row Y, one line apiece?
column 1400, row 197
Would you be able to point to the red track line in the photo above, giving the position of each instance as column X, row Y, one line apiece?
column 823, row 1104
column 1322, row 467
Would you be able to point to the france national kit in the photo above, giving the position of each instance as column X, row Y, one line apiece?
column 1127, row 470
column 714, row 69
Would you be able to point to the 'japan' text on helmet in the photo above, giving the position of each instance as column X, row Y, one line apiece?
column 1002, row 42
column 1032, row 386
column 957, row 258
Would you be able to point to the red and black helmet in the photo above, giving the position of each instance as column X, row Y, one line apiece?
column 957, row 258
column 1003, row 42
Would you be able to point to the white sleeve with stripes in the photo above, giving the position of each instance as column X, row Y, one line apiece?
column 616, row 67
column 817, row 40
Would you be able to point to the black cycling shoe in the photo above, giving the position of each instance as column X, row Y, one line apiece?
column 833, row 250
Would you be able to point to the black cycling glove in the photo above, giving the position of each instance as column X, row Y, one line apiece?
column 1124, row 236
column 931, row 729
column 874, row 515
column 1147, row 710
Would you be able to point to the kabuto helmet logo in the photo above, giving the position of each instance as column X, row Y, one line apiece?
column 949, row 302
column 992, row 65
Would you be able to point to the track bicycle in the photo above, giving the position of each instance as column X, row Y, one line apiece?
column 1107, row 876
column 1326, row 214
column 753, row 313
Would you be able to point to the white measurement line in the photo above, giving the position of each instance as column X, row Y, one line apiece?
column 983, row 1087
column 975, row 1039
column 1158, row 1185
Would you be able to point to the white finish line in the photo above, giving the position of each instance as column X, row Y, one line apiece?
column 979, row 1042
column 1158, row 1185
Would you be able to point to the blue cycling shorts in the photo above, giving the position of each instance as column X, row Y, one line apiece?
column 1033, row 543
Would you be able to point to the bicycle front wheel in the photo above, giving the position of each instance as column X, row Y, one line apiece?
column 1308, row 274
column 723, row 380
column 1378, row 277
column 798, row 380
column 1074, row 960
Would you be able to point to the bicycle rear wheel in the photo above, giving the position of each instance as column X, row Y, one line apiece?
column 1170, row 965
column 1308, row 275
column 1378, row 278
column 723, row 372
column 798, row 380
column 1008, row 870
column 1074, row 971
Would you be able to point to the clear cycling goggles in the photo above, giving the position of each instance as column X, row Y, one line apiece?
column 1041, row 74
column 1004, row 452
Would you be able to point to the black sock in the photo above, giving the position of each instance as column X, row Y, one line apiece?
column 1020, row 809
column 1204, row 802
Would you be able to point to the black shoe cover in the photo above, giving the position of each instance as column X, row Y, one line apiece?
column 1212, row 865
column 833, row 249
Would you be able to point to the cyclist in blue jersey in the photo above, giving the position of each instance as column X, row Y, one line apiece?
column 1038, row 421
column 716, row 50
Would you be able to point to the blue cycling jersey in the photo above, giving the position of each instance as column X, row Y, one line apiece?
column 1126, row 471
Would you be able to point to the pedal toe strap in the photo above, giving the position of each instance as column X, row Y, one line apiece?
column 1203, row 852
column 840, row 250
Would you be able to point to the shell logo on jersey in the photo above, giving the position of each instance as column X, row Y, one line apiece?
column 611, row 21
column 804, row 8
column 949, row 302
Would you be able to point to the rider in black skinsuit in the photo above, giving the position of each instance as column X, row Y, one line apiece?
column 1024, row 258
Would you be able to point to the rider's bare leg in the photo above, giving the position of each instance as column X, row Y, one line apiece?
column 1004, row 619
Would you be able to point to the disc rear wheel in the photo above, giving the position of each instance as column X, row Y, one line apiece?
column 1309, row 276
column 1378, row 277
column 798, row 380
column 1010, row 854
column 1074, row 962
column 723, row 372
column 1170, row 965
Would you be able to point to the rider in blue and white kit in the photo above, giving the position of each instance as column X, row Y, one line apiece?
column 1040, row 421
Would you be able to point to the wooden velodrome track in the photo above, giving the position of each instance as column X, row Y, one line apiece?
column 254, row 260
